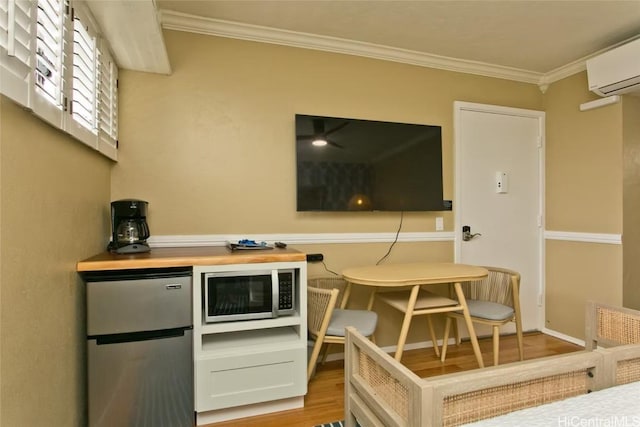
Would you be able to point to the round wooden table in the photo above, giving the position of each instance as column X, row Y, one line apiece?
column 418, row 274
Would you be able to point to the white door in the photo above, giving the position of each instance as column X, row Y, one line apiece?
column 499, row 189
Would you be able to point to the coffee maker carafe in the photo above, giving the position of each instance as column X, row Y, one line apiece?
column 129, row 226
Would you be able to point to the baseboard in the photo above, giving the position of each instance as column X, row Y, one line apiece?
column 392, row 348
column 563, row 337
column 243, row 411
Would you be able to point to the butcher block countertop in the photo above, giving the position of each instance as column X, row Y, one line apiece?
column 187, row 256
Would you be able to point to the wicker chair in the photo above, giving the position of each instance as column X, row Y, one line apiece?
column 333, row 282
column 493, row 301
column 608, row 326
column 327, row 324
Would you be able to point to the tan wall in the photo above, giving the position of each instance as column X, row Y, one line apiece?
column 54, row 199
column 631, row 201
column 216, row 137
column 576, row 273
column 583, row 161
column 583, row 194
column 211, row 147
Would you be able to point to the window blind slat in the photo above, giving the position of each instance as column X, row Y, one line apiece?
column 22, row 31
column 4, row 23
column 49, row 50
column 108, row 98
column 15, row 36
column 84, row 85
column 83, row 60
column 84, row 74
column 82, row 96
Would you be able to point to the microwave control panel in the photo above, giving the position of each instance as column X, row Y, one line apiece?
column 286, row 291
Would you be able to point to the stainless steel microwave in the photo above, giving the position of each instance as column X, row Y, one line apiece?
column 247, row 295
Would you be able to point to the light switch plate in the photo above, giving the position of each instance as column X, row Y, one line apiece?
column 502, row 182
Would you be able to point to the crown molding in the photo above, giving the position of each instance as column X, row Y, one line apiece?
column 177, row 21
column 171, row 20
column 560, row 73
column 576, row 66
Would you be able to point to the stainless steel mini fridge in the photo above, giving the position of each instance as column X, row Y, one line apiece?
column 140, row 351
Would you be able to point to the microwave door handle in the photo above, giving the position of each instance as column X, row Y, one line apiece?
column 275, row 291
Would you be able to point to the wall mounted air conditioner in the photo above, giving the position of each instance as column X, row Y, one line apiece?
column 616, row 71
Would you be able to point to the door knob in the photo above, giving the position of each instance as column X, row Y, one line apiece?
column 466, row 233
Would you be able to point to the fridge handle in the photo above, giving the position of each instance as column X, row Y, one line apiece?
column 138, row 336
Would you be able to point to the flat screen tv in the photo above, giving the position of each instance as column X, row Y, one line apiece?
column 364, row 165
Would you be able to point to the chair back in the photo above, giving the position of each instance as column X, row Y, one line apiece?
column 334, row 282
column 320, row 305
column 500, row 286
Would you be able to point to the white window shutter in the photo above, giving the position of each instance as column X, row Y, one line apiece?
column 84, row 84
column 107, row 102
column 52, row 32
column 17, row 41
column 53, row 62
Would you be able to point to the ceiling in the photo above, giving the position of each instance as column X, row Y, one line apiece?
column 535, row 37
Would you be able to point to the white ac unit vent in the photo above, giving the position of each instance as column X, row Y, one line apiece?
column 615, row 72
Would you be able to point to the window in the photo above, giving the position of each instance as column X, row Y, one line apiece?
column 17, row 19
column 53, row 61
column 83, row 81
column 107, row 101
column 49, row 52
column 51, row 45
column 84, row 76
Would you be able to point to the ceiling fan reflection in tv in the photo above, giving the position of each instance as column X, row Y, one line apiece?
column 390, row 166
column 320, row 137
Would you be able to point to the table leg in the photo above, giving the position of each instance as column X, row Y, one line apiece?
column 467, row 319
column 406, row 322
column 345, row 297
column 347, row 294
column 432, row 333
column 372, row 298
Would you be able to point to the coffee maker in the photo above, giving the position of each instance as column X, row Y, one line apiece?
column 129, row 226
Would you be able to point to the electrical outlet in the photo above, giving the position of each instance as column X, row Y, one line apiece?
column 314, row 257
column 439, row 223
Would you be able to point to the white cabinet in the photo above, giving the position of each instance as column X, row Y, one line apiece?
column 247, row 367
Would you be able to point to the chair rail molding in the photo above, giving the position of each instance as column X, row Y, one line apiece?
column 330, row 238
column 572, row 236
column 299, row 239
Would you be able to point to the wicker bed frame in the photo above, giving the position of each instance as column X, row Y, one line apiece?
column 381, row 392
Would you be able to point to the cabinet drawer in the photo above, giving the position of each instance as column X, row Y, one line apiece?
column 224, row 382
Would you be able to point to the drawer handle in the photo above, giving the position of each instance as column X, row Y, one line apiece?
column 175, row 286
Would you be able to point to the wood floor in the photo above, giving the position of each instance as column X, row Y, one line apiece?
column 324, row 400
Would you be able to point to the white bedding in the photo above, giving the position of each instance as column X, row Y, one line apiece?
column 614, row 406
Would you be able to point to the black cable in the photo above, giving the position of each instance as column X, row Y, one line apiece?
column 394, row 240
column 330, row 271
